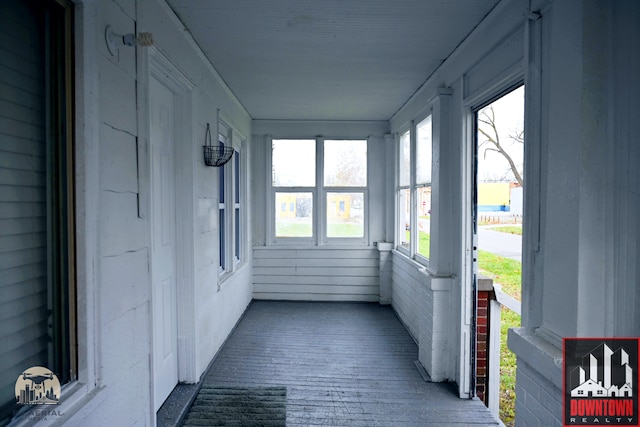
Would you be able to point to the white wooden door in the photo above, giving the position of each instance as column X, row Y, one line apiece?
column 163, row 240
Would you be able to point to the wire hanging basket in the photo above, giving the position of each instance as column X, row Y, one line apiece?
column 215, row 155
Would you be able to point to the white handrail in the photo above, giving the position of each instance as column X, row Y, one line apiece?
column 505, row 299
column 493, row 380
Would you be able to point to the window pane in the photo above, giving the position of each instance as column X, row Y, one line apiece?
column 236, row 171
column 294, row 214
column 423, row 176
column 424, row 219
column 404, row 217
column 345, row 163
column 237, row 233
column 221, row 182
column 423, row 151
column 294, row 162
column 223, row 243
column 345, row 214
column 405, row 159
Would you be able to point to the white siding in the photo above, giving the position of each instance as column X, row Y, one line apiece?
column 316, row 274
column 406, row 283
column 118, row 192
column 423, row 303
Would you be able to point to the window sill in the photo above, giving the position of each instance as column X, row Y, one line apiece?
column 301, row 246
column 418, row 260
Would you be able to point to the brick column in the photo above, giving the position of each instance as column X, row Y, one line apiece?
column 485, row 294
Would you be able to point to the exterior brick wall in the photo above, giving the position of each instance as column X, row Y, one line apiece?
column 482, row 343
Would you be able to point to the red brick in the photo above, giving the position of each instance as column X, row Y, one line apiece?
column 482, row 312
column 482, row 329
column 481, row 321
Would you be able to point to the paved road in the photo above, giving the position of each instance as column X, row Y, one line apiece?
column 503, row 244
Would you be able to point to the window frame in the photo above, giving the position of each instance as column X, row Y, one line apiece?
column 412, row 250
column 325, row 190
column 319, row 194
column 224, row 138
column 274, row 190
column 231, row 212
column 237, row 206
column 401, row 187
column 418, row 185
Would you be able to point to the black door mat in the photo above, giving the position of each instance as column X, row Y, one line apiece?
column 239, row 406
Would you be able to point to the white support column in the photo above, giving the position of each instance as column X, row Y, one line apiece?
column 384, row 249
column 441, row 201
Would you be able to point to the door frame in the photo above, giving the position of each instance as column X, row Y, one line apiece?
column 155, row 65
column 509, row 80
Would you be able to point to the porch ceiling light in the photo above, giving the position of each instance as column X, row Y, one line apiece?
column 115, row 41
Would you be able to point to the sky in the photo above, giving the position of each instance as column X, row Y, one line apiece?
column 296, row 158
column 509, row 117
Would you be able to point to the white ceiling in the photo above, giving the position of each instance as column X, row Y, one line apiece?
column 328, row 59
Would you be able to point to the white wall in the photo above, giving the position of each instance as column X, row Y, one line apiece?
column 582, row 278
column 317, row 272
column 484, row 65
column 114, row 284
column 320, row 274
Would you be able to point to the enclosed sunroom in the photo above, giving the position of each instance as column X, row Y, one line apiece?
column 126, row 261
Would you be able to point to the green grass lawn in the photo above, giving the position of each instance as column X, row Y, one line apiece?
column 508, row 319
column 298, row 229
column 345, row 230
column 423, row 243
column 293, row 229
column 508, row 273
column 511, row 229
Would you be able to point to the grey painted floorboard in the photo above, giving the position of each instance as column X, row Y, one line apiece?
column 344, row 364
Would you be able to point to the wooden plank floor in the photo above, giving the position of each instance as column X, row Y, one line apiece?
column 343, row 365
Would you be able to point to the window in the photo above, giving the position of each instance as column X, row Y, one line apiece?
column 319, row 190
column 345, row 182
column 404, row 191
column 37, row 281
column 294, row 177
column 222, row 209
column 423, row 186
column 297, row 220
column 294, row 163
column 237, row 225
column 230, row 204
column 414, row 190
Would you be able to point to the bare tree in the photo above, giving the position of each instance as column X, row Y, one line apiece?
column 492, row 141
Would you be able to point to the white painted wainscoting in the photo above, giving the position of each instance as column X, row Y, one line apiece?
column 422, row 301
column 316, row 274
